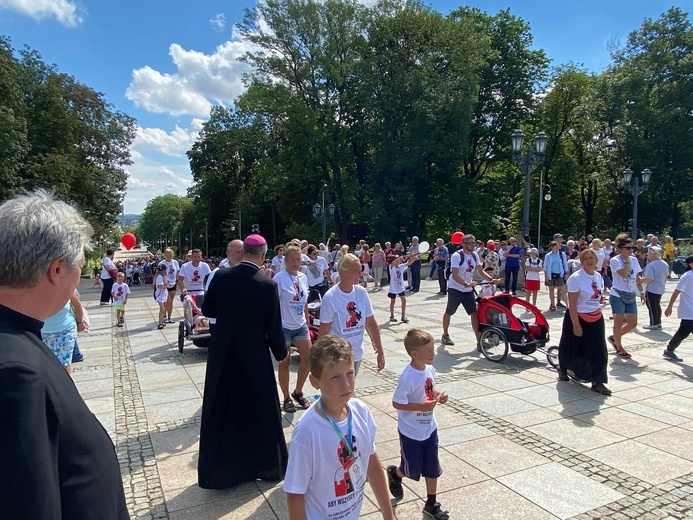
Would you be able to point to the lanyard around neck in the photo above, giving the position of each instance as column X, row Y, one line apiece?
column 337, row 430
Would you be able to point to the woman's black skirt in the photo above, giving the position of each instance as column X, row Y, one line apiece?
column 585, row 357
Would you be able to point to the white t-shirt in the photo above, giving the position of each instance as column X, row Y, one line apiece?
column 321, row 468
column 193, row 277
column 624, row 284
column 314, row 271
column 466, row 264
column 415, row 386
column 278, row 264
column 347, row 314
column 128, row 271
column 533, row 262
column 172, row 269
column 590, row 289
column 293, row 297
column 397, row 279
column 685, row 285
column 160, row 295
column 600, row 258
column 120, row 292
column 107, row 264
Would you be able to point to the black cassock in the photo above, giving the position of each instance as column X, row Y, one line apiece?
column 241, row 435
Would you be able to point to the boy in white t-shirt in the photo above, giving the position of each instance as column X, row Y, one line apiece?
column 533, row 269
column 415, row 398
column 333, row 445
column 397, row 270
column 120, row 292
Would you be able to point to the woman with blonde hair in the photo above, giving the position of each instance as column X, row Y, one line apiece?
column 347, row 312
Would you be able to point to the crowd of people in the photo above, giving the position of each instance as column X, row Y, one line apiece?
column 56, row 441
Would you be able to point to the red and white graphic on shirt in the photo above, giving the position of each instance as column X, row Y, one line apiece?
column 428, row 389
column 297, row 290
column 597, row 294
column 119, row 292
column 354, row 315
column 196, row 276
column 470, row 266
column 343, row 485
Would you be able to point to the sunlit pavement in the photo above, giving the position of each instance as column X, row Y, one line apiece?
column 514, row 442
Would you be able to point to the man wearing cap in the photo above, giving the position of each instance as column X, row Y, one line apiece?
column 241, row 435
column 561, row 246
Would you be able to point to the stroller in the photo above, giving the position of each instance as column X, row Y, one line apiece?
column 500, row 330
column 195, row 326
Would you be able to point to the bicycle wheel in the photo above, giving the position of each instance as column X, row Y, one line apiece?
column 552, row 356
column 494, row 344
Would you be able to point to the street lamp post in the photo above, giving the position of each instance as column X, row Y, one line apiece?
column 320, row 214
column 528, row 163
column 633, row 185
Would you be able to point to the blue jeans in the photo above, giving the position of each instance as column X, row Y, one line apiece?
column 511, row 271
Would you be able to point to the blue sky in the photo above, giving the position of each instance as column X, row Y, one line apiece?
column 165, row 63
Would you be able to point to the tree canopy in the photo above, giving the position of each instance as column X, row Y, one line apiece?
column 59, row 134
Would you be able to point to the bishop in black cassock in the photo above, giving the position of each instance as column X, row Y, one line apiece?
column 241, row 436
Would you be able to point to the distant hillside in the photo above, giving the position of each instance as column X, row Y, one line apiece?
column 129, row 219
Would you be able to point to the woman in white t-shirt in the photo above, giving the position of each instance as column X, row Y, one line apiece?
column 627, row 281
column 582, row 349
column 685, row 311
column 318, row 274
column 108, row 275
column 278, row 260
column 347, row 312
column 533, row 269
column 292, row 286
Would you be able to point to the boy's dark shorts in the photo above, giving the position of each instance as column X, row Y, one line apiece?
column 420, row 457
column 457, row 298
column 393, row 296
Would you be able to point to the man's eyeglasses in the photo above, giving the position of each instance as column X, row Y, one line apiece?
column 469, row 243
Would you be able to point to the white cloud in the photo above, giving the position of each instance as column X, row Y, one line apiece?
column 148, row 179
column 65, row 11
column 173, row 144
column 201, row 79
column 218, row 23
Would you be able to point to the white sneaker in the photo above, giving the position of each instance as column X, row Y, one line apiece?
column 651, row 327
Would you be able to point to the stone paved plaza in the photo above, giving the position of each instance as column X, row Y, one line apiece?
column 515, row 442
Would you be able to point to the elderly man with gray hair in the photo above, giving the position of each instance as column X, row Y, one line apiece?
column 57, row 460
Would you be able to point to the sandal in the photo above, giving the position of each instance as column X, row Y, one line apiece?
column 160, row 326
column 289, row 406
column 301, row 400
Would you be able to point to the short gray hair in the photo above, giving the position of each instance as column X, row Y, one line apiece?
column 37, row 229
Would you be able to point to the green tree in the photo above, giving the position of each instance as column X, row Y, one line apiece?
column 164, row 219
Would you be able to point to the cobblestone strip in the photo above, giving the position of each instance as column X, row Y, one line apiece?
column 143, row 492
column 673, row 499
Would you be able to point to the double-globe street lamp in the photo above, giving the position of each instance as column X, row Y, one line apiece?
column 320, row 214
column 528, row 163
column 633, row 185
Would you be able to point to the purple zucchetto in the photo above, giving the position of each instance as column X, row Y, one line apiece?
column 255, row 240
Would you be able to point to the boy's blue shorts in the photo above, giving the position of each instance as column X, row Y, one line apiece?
column 420, row 457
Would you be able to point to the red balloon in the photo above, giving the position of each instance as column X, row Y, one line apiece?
column 457, row 237
column 128, row 240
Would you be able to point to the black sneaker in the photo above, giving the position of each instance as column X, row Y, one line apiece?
column 394, row 482
column 404, row 319
column 435, row 512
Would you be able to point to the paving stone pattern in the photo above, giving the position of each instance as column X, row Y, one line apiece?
column 151, row 474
